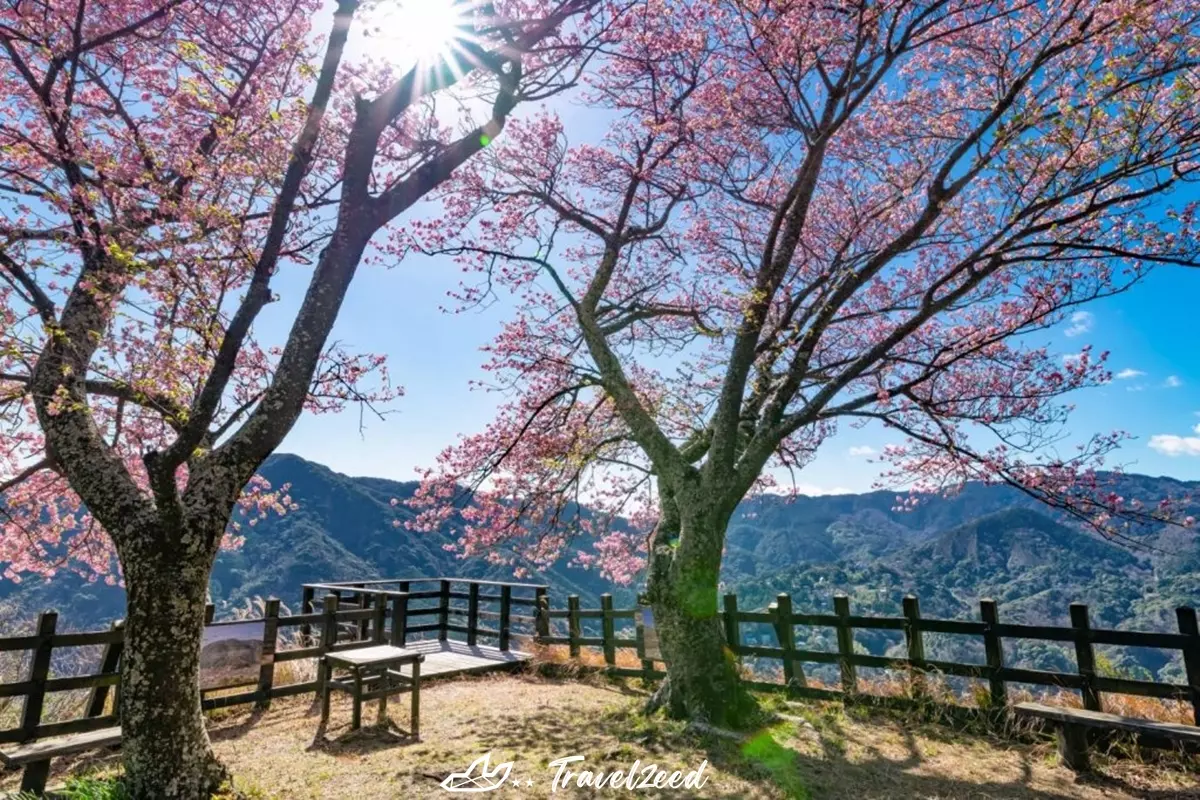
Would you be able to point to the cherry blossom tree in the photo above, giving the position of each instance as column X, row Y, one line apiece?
column 160, row 162
column 802, row 215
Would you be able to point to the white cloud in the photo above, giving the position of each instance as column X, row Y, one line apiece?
column 1081, row 322
column 1171, row 445
column 1138, row 388
column 864, row 450
column 813, row 490
column 1126, row 374
column 1172, row 382
column 1071, row 358
column 785, row 489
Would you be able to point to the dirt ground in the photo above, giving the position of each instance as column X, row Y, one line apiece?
column 817, row 751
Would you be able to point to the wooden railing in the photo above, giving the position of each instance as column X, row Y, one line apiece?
column 459, row 605
column 495, row 613
column 350, row 616
column 781, row 620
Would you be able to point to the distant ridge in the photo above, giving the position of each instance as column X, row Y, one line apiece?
column 984, row 541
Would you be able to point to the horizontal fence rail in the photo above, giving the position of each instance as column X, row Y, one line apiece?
column 344, row 615
column 333, row 617
column 988, row 630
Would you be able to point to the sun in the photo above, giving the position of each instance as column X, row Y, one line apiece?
column 420, row 31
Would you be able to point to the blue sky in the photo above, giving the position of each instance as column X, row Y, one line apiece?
column 1152, row 330
column 1152, row 333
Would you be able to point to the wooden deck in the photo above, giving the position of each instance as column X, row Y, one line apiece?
column 444, row 658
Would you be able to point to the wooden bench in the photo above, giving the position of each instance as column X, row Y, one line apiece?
column 35, row 756
column 372, row 676
column 1072, row 724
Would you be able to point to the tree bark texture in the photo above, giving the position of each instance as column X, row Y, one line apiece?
column 703, row 683
column 165, row 747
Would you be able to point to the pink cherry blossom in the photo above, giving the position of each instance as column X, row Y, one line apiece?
column 801, row 216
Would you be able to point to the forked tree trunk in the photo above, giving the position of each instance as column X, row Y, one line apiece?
column 703, row 683
column 166, row 751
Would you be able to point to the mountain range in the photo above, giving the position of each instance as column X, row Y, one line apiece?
column 985, row 541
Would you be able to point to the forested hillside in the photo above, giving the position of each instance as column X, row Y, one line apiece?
column 985, row 542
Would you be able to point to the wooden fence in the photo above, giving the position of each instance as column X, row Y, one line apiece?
column 350, row 615
column 782, row 620
column 497, row 614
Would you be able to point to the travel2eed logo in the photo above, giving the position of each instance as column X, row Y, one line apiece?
column 481, row 776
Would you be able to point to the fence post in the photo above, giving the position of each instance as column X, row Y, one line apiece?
column 608, row 631
column 379, row 622
column 110, row 662
column 39, row 671
column 329, row 634
column 209, row 612
column 786, row 634
column 472, row 614
column 733, row 638
column 400, row 619
column 993, row 650
column 573, row 624
column 914, row 637
column 639, row 634
column 541, row 613
column 845, row 640
column 505, row 615
column 1084, row 656
column 306, row 607
column 1186, row 617
column 364, row 602
column 266, row 672
column 444, row 615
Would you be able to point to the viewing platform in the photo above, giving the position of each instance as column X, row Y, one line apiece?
column 461, row 626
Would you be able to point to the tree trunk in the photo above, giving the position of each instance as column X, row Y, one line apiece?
column 702, row 683
column 166, row 751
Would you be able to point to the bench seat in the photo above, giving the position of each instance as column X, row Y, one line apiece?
column 35, row 756
column 1073, row 722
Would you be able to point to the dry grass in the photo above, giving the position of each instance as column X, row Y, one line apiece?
column 937, row 690
column 559, row 656
column 814, row 750
column 64, row 661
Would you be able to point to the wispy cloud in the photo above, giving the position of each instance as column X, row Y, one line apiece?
column 785, row 488
column 1172, row 382
column 1071, row 358
column 1127, row 373
column 859, row 452
column 1171, row 445
column 812, row 490
column 1081, row 322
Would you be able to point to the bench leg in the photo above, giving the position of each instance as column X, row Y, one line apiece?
column 34, row 778
column 416, row 699
column 385, row 683
column 1073, row 746
column 356, row 714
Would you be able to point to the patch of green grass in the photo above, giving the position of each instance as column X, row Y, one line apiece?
column 111, row 787
column 85, row 788
column 765, row 754
column 773, row 702
column 628, row 724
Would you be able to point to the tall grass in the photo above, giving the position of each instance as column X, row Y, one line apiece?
column 935, row 689
column 64, row 662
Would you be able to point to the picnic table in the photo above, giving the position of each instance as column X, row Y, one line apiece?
column 373, row 673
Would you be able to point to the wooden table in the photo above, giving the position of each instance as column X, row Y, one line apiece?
column 374, row 673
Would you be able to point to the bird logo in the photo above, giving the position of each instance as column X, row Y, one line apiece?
column 481, row 776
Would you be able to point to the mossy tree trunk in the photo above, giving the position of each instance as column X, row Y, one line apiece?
column 703, row 683
column 165, row 747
